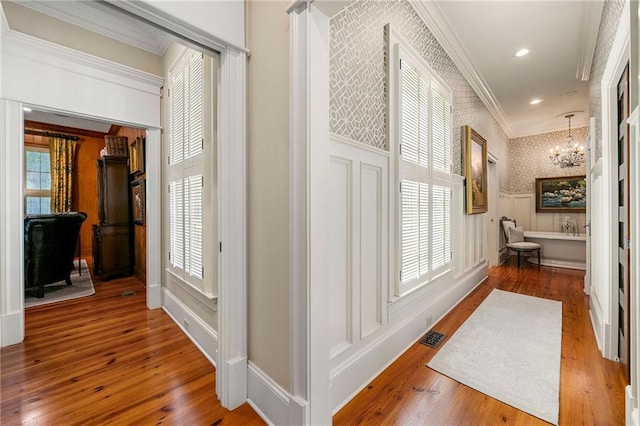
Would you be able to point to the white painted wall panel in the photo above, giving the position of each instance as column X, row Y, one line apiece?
column 340, row 259
column 370, row 249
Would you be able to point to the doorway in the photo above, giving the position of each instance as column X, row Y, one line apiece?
column 623, row 302
column 493, row 214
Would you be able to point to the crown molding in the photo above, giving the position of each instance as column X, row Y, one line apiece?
column 106, row 21
column 589, row 26
column 37, row 50
column 432, row 16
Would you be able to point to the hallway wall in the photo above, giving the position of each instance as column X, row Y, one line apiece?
column 530, row 160
column 357, row 80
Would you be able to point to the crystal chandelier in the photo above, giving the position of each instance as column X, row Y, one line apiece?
column 572, row 155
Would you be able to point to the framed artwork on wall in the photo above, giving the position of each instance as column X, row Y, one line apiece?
column 136, row 156
column 566, row 194
column 137, row 201
column 474, row 154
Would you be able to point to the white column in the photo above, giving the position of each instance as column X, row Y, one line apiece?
column 153, row 211
column 309, row 161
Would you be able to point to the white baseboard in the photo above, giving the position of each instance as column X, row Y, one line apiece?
column 632, row 411
column 350, row 377
column 154, row 296
column 202, row 335
column 11, row 328
column 275, row 405
column 237, row 369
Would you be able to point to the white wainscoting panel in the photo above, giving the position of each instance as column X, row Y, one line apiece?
column 340, row 254
column 358, row 244
column 524, row 207
column 368, row 328
column 371, row 207
column 457, row 230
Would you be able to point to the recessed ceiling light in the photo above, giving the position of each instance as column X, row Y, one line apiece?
column 535, row 101
column 26, row 109
column 522, row 52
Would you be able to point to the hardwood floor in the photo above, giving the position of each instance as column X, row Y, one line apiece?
column 409, row 393
column 106, row 359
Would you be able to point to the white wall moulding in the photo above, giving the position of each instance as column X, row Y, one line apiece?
column 367, row 331
column 82, row 77
column 201, row 334
column 274, row 404
column 352, row 375
column 309, row 208
column 210, row 24
column 232, row 285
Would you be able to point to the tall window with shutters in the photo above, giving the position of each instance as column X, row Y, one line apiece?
column 420, row 135
column 186, row 170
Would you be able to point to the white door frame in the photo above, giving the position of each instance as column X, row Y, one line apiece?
column 134, row 100
column 618, row 58
column 493, row 221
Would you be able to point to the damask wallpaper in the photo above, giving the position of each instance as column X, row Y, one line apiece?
column 530, row 158
column 358, row 82
column 608, row 26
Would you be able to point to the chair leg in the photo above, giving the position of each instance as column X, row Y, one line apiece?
column 68, row 280
column 538, row 258
column 40, row 292
column 519, row 259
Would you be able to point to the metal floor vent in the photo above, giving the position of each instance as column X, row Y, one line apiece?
column 128, row 293
column 433, row 339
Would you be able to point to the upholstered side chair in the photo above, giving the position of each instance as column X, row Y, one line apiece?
column 514, row 236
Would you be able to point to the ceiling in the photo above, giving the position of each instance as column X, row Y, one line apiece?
column 67, row 121
column 480, row 36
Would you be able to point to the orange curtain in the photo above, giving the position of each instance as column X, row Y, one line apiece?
column 62, row 152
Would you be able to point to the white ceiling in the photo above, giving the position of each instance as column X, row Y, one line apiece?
column 483, row 36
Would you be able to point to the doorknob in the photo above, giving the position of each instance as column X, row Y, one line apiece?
column 588, row 225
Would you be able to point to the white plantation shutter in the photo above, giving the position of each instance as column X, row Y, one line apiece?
column 441, row 236
column 176, row 223
column 196, row 104
column 176, row 118
column 424, row 173
column 194, row 201
column 186, row 168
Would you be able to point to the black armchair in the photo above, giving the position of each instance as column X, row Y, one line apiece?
column 49, row 248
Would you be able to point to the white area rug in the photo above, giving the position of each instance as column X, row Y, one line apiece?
column 509, row 349
column 81, row 286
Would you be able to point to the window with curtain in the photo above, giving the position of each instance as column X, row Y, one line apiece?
column 186, row 168
column 422, row 140
column 37, row 181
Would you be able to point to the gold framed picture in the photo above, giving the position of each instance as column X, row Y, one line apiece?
column 136, row 156
column 474, row 154
column 567, row 194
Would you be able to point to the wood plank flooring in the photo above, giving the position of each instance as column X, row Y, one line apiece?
column 106, row 359
column 409, row 393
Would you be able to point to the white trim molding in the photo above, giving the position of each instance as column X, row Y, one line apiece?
column 308, row 157
column 632, row 400
column 231, row 380
column 11, row 223
column 589, row 26
column 201, row 334
column 618, row 58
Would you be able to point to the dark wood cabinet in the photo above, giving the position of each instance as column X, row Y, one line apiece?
column 112, row 253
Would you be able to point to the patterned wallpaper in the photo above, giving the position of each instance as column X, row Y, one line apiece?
column 530, row 158
column 358, row 82
column 608, row 26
